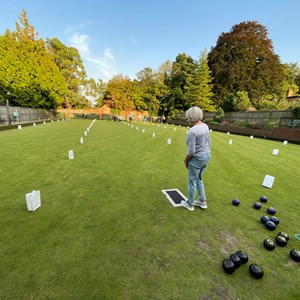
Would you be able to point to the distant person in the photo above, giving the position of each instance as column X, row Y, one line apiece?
column 197, row 157
column 15, row 116
column 130, row 117
column 163, row 119
column 85, row 115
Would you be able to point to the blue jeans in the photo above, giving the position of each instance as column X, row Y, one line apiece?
column 196, row 168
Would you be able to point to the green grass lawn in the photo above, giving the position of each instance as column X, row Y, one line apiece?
column 106, row 231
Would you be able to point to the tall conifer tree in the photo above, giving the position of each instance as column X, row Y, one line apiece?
column 27, row 71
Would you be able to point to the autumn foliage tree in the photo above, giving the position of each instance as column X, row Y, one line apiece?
column 243, row 60
column 118, row 93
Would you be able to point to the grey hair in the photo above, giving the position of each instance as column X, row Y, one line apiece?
column 194, row 114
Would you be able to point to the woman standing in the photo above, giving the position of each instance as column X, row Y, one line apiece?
column 197, row 157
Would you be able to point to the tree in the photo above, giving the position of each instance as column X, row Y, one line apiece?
column 137, row 97
column 71, row 67
column 244, row 60
column 190, row 84
column 292, row 78
column 27, row 71
column 241, row 101
column 94, row 91
column 183, row 69
column 148, row 85
column 198, row 91
column 163, row 76
column 118, row 94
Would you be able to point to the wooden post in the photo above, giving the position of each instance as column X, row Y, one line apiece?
column 8, row 112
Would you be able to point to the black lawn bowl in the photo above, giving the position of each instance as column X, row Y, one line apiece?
column 263, row 199
column 281, row 241
column 295, row 255
column 271, row 210
column 274, row 220
column 270, row 225
column 256, row 271
column 257, row 205
column 284, row 234
column 236, row 260
column 236, row 202
column 269, row 244
column 228, row 266
column 243, row 256
column 264, row 219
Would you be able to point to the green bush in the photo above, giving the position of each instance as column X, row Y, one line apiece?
column 296, row 112
column 219, row 115
column 212, row 122
column 270, row 125
column 240, row 124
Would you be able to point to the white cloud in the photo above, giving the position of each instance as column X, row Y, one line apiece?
column 80, row 41
column 76, row 28
column 108, row 53
column 102, row 67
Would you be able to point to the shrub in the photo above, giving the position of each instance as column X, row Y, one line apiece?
column 210, row 122
column 296, row 112
column 244, row 124
column 225, row 123
column 219, row 115
column 255, row 125
column 240, row 123
column 270, row 125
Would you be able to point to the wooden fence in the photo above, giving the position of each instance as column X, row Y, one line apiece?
column 13, row 114
column 258, row 117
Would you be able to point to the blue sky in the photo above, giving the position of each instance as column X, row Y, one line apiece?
column 125, row 36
